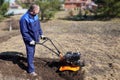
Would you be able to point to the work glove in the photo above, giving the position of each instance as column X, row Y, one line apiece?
column 32, row 42
column 43, row 37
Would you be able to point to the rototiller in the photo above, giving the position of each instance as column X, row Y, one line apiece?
column 69, row 62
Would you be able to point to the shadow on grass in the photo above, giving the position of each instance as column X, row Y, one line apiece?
column 87, row 18
column 15, row 57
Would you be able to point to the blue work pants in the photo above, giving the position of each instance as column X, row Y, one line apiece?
column 30, row 49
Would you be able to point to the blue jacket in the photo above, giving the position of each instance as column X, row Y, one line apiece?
column 30, row 27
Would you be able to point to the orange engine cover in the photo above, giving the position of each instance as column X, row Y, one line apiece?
column 69, row 68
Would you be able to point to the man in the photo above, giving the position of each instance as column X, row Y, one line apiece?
column 31, row 32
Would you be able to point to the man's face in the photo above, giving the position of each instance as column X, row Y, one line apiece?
column 36, row 10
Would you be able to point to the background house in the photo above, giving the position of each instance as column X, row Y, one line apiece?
column 26, row 1
column 74, row 4
column 15, row 9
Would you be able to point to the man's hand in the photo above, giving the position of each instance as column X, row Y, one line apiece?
column 32, row 42
column 43, row 37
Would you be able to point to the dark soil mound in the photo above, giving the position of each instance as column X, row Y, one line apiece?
column 47, row 69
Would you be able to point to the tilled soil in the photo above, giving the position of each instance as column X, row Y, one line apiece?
column 47, row 69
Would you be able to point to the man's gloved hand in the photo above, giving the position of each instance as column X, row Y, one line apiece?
column 43, row 37
column 32, row 42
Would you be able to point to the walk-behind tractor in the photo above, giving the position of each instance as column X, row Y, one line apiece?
column 69, row 62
